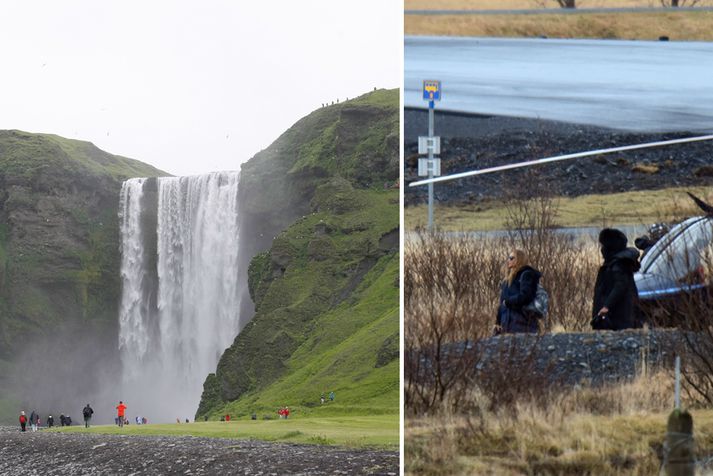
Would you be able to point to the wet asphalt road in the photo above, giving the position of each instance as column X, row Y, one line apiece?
column 644, row 86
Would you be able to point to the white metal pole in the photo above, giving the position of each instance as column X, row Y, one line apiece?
column 677, row 394
column 430, row 165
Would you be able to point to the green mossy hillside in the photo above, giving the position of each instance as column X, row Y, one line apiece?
column 59, row 242
column 357, row 140
column 44, row 159
column 319, row 229
column 328, row 303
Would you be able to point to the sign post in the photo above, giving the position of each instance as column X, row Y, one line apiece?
column 431, row 93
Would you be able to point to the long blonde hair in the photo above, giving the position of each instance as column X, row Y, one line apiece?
column 521, row 260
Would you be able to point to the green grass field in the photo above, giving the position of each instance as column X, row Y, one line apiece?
column 380, row 431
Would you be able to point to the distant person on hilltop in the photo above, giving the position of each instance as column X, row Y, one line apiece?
column 87, row 412
column 62, row 420
column 50, row 421
column 23, row 421
column 331, row 396
column 120, row 410
column 517, row 290
column 615, row 290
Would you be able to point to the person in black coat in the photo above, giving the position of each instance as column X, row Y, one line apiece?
column 615, row 291
column 516, row 291
column 87, row 412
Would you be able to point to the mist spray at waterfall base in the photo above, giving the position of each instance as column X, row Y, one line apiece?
column 180, row 289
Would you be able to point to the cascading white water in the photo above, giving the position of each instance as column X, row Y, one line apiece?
column 180, row 297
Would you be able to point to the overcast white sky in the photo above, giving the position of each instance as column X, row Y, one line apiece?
column 189, row 86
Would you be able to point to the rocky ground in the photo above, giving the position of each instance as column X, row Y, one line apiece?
column 470, row 142
column 577, row 358
column 591, row 357
column 48, row 453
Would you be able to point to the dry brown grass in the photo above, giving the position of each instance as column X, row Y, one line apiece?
column 527, row 4
column 646, row 168
column 693, row 26
column 630, row 208
column 611, row 430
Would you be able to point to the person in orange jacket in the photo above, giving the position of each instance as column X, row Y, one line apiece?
column 120, row 409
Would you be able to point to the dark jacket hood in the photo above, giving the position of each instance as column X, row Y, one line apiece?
column 613, row 241
column 629, row 257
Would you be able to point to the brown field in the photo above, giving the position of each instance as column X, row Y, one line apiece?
column 629, row 208
column 683, row 26
column 568, row 437
column 529, row 4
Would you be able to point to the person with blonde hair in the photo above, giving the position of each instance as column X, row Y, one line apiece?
column 517, row 290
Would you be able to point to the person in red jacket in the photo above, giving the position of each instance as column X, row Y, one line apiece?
column 23, row 420
column 120, row 409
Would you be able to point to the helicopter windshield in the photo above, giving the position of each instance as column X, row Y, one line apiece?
column 678, row 255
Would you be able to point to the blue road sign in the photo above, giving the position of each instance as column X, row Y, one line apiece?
column 431, row 90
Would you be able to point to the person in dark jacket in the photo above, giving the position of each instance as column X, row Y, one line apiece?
column 50, row 421
column 87, row 412
column 34, row 420
column 516, row 291
column 615, row 293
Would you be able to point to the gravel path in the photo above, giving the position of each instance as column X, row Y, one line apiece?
column 45, row 453
column 593, row 357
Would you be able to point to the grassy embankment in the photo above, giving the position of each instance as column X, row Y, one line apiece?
column 612, row 430
column 628, row 208
column 532, row 444
column 340, row 348
column 685, row 25
column 357, row 432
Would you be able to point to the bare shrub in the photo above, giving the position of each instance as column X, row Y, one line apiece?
column 451, row 295
column 450, row 292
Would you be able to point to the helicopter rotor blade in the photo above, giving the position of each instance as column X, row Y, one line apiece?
column 701, row 204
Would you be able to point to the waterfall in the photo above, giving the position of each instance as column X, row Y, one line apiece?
column 180, row 298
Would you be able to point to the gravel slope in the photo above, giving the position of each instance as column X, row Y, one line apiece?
column 471, row 142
